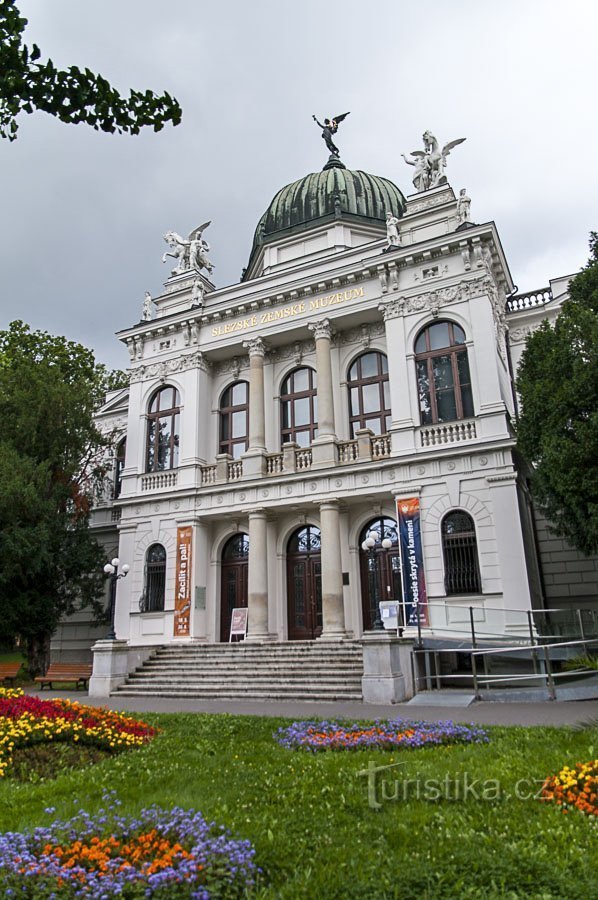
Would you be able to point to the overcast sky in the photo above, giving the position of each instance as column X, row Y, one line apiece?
column 83, row 213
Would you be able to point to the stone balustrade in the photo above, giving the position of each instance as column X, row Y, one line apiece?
column 235, row 470
column 365, row 447
column 156, row 481
column 448, row 433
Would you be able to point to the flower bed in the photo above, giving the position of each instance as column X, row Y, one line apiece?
column 385, row 735
column 27, row 720
column 574, row 788
column 168, row 853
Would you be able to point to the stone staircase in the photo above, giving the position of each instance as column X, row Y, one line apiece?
column 295, row 670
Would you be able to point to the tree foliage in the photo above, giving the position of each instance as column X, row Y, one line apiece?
column 73, row 95
column 558, row 428
column 50, row 450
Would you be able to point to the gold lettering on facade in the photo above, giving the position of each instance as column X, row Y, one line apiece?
column 295, row 309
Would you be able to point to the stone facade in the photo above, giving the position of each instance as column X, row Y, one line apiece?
column 321, row 299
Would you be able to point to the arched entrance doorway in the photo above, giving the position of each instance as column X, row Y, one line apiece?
column 380, row 570
column 233, row 574
column 304, row 584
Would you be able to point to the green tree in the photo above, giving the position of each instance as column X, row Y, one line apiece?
column 73, row 95
column 558, row 429
column 50, row 465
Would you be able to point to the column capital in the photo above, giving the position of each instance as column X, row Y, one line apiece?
column 321, row 329
column 256, row 347
column 258, row 513
column 332, row 503
column 393, row 308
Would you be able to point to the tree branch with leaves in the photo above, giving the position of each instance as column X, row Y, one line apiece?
column 73, row 95
column 558, row 429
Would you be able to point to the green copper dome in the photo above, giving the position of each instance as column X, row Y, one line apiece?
column 320, row 197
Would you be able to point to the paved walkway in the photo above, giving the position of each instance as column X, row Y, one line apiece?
column 488, row 713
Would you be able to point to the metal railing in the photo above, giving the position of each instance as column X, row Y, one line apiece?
column 540, row 643
column 540, row 657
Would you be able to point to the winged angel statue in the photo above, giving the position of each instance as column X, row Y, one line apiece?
column 329, row 128
column 430, row 162
column 190, row 253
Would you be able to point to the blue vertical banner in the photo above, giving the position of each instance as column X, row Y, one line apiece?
column 412, row 562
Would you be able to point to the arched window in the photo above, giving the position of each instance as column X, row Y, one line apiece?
column 299, row 407
column 460, row 552
column 443, row 380
column 234, row 419
column 369, row 396
column 163, row 423
column 154, row 588
column 119, row 464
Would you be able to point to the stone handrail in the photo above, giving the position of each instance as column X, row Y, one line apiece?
column 348, row 451
column 274, row 463
column 235, row 470
column 208, row 475
column 529, row 300
column 303, row 459
column 448, row 433
column 155, row 481
column 380, row 446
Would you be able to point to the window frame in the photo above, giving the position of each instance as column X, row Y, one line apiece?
column 466, row 579
column 225, row 414
column 152, row 444
column 383, row 413
column 153, row 598
column 291, row 431
column 119, row 464
column 453, row 350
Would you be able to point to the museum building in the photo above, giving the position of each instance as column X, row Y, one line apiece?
column 273, row 431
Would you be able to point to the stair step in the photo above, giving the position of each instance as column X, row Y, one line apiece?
column 295, row 670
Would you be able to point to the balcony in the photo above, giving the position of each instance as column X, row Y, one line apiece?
column 292, row 458
column 156, row 481
column 447, row 433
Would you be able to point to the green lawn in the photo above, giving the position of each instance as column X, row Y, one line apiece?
column 316, row 834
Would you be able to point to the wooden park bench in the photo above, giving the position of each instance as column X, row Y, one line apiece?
column 9, row 671
column 75, row 673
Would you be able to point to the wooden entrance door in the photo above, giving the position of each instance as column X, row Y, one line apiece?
column 380, row 570
column 304, row 584
column 233, row 575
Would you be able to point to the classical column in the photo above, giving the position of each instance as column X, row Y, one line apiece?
column 257, row 576
column 333, row 609
column 323, row 332
column 257, row 351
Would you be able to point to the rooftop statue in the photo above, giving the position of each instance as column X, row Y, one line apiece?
column 329, row 128
column 393, row 238
column 190, row 252
column 463, row 207
column 430, row 162
column 147, row 312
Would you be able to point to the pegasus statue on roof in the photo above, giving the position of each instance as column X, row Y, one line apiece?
column 430, row 162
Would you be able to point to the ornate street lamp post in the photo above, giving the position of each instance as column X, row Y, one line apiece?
column 111, row 570
column 369, row 547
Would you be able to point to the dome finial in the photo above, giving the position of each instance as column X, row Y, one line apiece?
column 329, row 128
column 334, row 162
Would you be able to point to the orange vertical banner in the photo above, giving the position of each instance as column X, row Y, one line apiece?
column 182, row 595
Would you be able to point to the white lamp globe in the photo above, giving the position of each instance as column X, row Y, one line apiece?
column 370, row 542
column 108, row 569
column 116, row 562
column 125, row 568
column 374, row 536
column 387, row 543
